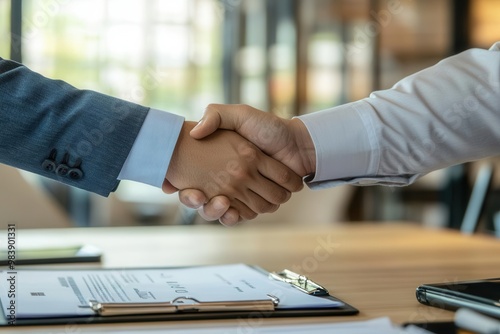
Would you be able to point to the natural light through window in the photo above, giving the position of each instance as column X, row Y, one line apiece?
column 163, row 54
column 4, row 28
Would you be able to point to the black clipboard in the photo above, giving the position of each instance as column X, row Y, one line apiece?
column 300, row 282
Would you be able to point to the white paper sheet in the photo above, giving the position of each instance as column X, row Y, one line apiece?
column 59, row 293
column 374, row 326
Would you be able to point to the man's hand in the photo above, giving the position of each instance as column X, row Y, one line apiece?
column 287, row 141
column 225, row 164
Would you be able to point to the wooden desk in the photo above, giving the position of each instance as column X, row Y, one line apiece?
column 374, row 267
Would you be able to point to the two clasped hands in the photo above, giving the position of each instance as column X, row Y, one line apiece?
column 241, row 162
column 441, row 116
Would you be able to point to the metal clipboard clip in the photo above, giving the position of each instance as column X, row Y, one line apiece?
column 300, row 282
column 182, row 304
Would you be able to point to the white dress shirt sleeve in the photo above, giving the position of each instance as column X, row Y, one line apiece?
column 150, row 155
column 441, row 116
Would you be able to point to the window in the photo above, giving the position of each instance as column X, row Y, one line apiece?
column 162, row 54
column 5, row 28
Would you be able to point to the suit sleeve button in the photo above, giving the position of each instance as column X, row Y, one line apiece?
column 75, row 173
column 62, row 170
column 48, row 165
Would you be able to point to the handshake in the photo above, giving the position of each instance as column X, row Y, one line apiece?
column 236, row 175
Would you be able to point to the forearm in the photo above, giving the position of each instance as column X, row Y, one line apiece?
column 40, row 115
column 444, row 115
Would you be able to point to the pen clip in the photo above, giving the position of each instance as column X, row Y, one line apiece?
column 300, row 282
column 182, row 304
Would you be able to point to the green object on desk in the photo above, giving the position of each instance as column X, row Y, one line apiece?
column 48, row 255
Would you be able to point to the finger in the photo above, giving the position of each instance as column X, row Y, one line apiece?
column 215, row 208
column 258, row 203
column 192, row 198
column 269, row 192
column 245, row 212
column 210, row 122
column 230, row 218
column 259, row 193
column 168, row 188
column 280, row 174
column 216, row 116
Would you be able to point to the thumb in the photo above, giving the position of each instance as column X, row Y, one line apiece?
column 216, row 116
column 168, row 188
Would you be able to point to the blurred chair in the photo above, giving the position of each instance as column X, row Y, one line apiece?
column 478, row 198
column 26, row 204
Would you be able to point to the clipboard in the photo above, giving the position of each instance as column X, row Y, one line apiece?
column 190, row 308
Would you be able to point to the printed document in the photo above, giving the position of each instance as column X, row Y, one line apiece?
column 66, row 293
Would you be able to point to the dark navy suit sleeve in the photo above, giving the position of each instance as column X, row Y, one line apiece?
column 78, row 137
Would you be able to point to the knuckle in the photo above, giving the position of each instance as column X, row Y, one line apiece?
column 228, row 221
column 285, row 177
column 246, row 213
column 248, row 153
column 273, row 208
column 297, row 186
column 250, row 216
column 285, row 196
column 294, row 182
column 265, row 207
column 280, row 196
column 240, row 174
column 205, row 215
column 193, row 200
column 210, row 212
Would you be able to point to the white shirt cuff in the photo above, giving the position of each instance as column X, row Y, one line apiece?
column 345, row 146
column 150, row 155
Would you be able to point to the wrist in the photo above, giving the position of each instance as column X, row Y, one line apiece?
column 305, row 145
column 174, row 168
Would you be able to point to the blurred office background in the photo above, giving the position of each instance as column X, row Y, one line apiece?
column 288, row 57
